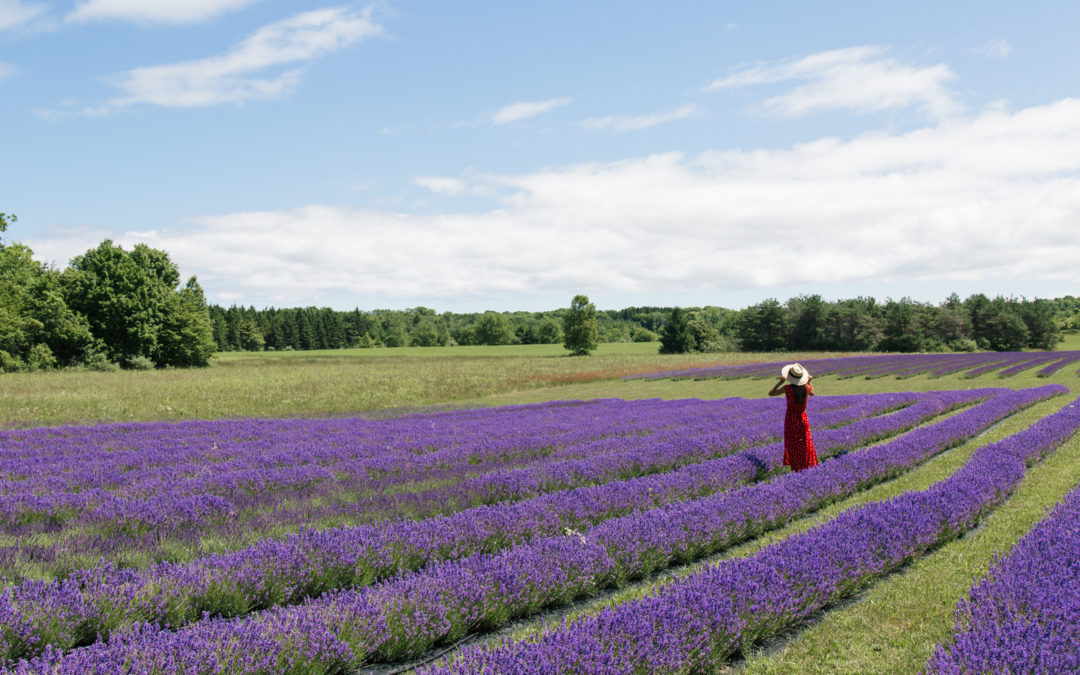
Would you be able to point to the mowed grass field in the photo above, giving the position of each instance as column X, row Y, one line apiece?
column 325, row 383
column 890, row 627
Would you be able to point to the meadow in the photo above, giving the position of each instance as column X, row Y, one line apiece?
column 595, row 502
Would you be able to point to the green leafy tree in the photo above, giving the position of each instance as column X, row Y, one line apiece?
column 676, row 337
column 762, row 327
column 580, row 332
column 549, row 332
column 1004, row 327
column 6, row 218
column 902, row 331
column 186, row 336
column 806, row 314
column 492, row 329
column 1038, row 316
column 852, row 325
column 37, row 328
column 426, row 334
column 133, row 307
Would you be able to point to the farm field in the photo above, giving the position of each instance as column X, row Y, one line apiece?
column 546, row 514
column 321, row 383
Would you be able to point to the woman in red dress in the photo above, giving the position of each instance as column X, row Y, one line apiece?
column 799, row 451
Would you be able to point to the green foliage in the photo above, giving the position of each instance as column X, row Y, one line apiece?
column 97, row 361
column 492, row 329
column 40, row 357
column 763, row 327
column 186, row 334
column 806, row 317
column 9, row 363
column 676, row 338
column 580, row 333
column 550, row 332
column 962, row 345
column 640, row 334
column 141, row 363
column 33, row 312
column 1038, row 317
column 134, row 309
column 902, row 331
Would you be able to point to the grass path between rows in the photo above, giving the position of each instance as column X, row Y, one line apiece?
column 892, row 626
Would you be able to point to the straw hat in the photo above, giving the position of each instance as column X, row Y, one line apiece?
column 795, row 374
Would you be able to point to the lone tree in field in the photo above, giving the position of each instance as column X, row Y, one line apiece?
column 579, row 326
column 676, row 337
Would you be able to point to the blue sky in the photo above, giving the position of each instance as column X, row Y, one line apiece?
column 498, row 155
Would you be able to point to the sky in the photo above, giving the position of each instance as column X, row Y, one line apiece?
column 467, row 156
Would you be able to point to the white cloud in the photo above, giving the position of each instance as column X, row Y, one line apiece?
column 526, row 109
column 995, row 197
column 998, row 49
column 624, row 123
column 253, row 69
column 154, row 11
column 14, row 14
column 7, row 70
column 442, row 185
column 856, row 78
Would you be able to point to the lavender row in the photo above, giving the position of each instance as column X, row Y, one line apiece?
column 91, row 474
column 404, row 616
column 697, row 623
column 140, row 459
column 73, row 610
column 902, row 365
column 1024, row 616
column 706, row 431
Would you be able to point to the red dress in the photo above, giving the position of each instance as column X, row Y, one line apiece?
column 799, row 451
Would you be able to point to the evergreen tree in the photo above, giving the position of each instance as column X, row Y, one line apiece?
column 675, row 337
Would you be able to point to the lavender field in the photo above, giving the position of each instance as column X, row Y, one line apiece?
column 1003, row 364
column 569, row 536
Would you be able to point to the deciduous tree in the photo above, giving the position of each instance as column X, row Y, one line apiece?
column 580, row 332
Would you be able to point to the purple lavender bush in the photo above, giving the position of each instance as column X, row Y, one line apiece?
column 1024, row 616
column 699, row 622
column 894, row 365
column 405, row 615
column 72, row 611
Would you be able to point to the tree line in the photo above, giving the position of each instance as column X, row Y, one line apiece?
column 809, row 323
column 109, row 308
column 115, row 308
column 804, row 323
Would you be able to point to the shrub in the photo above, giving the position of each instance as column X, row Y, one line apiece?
column 962, row 345
column 9, row 363
column 141, row 363
column 644, row 335
column 98, row 362
column 40, row 357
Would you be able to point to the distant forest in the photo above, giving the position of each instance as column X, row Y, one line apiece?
column 112, row 308
column 806, row 322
